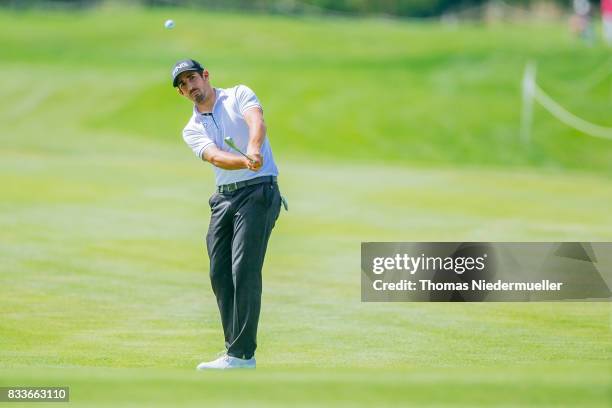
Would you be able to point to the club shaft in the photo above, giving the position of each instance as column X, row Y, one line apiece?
column 240, row 151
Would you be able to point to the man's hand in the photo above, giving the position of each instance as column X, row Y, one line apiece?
column 257, row 162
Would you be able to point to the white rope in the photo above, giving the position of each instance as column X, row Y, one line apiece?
column 569, row 118
column 528, row 98
column 532, row 92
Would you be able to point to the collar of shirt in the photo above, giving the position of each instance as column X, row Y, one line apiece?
column 219, row 95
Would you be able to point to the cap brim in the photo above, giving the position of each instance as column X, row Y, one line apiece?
column 175, row 80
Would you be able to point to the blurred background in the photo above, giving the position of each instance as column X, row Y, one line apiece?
column 390, row 120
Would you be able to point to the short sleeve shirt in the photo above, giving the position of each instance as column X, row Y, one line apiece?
column 226, row 119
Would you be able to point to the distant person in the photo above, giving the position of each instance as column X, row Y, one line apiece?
column 581, row 20
column 244, row 207
column 606, row 15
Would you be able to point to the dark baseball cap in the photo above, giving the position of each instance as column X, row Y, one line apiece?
column 183, row 66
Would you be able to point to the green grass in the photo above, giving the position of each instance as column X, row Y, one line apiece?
column 558, row 386
column 411, row 93
column 384, row 131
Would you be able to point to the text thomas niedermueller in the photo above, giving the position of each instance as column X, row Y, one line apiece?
column 459, row 265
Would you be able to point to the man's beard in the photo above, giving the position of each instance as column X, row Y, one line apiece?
column 199, row 97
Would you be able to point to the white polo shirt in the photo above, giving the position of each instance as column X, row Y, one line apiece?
column 205, row 130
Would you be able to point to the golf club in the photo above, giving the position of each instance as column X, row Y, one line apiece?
column 230, row 143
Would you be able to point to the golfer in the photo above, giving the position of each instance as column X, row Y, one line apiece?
column 244, row 207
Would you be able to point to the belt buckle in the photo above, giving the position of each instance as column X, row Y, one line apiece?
column 232, row 187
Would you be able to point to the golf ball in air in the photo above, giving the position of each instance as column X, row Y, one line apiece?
column 169, row 24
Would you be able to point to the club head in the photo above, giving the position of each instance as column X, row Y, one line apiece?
column 230, row 142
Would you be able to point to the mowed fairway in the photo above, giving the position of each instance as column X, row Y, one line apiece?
column 104, row 279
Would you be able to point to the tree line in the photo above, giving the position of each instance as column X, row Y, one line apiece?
column 399, row 8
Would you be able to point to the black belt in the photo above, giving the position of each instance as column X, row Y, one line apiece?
column 228, row 188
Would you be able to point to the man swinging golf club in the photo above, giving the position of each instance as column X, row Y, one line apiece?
column 227, row 130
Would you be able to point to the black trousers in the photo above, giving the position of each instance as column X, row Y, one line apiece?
column 240, row 226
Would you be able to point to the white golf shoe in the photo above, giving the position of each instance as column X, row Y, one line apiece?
column 226, row 362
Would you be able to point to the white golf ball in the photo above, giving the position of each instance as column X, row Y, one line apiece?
column 169, row 24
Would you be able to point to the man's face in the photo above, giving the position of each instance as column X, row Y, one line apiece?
column 194, row 85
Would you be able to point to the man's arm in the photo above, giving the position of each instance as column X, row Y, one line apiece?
column 257, row 134
column 225, row 160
